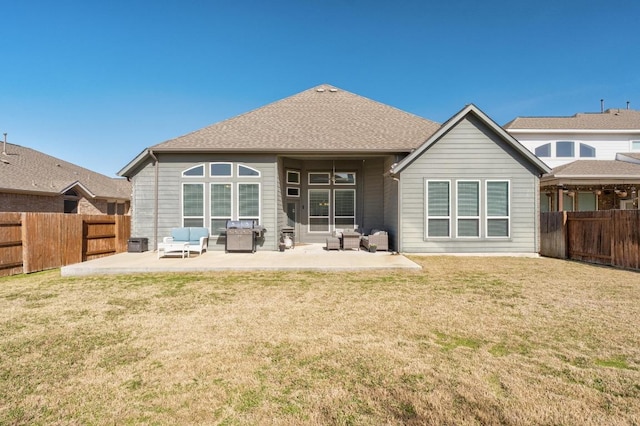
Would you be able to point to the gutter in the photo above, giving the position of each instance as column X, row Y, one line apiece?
column 156, row 165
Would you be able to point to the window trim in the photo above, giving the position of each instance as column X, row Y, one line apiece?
column 573, row 149
column 211, row 215
column 259, row 217
column 486, row 210
column 328, row 216
column 241, row 176
column 194, row 176
column 427, row 216
column 458, row 216
column 220, row 176
column 295, row 193
column 344, row 184
column 355, row 204
column 201, row 184
column 294, row 172
column 327, row 174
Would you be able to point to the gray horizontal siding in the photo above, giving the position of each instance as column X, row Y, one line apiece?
column 470, row 151
column 170, row 180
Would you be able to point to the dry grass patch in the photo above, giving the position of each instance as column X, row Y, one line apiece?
column 465, row 341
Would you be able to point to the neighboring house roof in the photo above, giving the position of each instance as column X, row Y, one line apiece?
column 25, row 170
column 630, row 157
column 453, row 121
column 593, row 172
column 617, row 120
column 323, row 119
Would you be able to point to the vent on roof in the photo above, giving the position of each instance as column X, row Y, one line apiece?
column 333, row 90
column 320, row 90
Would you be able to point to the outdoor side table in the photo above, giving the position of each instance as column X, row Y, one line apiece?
column 167, row 248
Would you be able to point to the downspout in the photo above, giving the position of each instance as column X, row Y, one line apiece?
column 155, row 196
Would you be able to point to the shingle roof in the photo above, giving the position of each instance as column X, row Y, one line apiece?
column 595, row 168
column 320, row 119
column 611, row 119
column 26, row 170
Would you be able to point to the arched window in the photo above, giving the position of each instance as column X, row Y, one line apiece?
column 543, row 150
column 246, row 171
column 587, row 151
column 195, row 171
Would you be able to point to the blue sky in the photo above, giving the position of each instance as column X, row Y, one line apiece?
column 94, row 83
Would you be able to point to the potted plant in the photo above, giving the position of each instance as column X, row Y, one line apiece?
column 373, row 248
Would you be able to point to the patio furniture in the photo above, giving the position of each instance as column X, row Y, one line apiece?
column 173, row 247
column 350, row 240
column 333, row 243
column 379, row 238
column 197, row 238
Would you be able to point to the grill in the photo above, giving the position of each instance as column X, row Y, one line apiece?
column 242, row 235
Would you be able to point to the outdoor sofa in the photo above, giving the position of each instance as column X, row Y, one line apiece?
column 377, row 237
column 197, row 238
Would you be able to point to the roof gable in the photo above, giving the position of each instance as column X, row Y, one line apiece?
column 492, row 125
column 320, row 119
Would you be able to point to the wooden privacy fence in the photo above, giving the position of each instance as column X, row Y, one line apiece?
column 31, row 242
column 608, row 237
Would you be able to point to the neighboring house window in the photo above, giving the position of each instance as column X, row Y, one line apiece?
column 498, row 209
column 293, row 192
column 468, row 204
column 71, row 199
column 293, row 177
column 249, row 201
column 319, row 210
column 196, row 171
column 567, row 201
column 193, row 204
column 319, row 178
column 587, row 202
column 220, row 169
column 344, row 208
column 635, row 145
column 246, row 171
column 438, row 209
column 221, row 206
column 587, row 151
column 543, row 150
column 344, row 178
column 565, row 149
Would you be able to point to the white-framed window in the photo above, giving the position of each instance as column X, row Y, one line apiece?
column 543, row 150
column 344, row 208
column 248, row 201
column 293, row 192
column 344, row 178
column 565, row 149
column 319, row 208
column 195, row 171
column 438, row 209
column 468, row 209
column 635, row 145
column 293, row 177
column 587, row 151
column 246, row 171
column 319, row 178
column 498, row 208
column 221, row 206
column 193, row 204
column 221, row 169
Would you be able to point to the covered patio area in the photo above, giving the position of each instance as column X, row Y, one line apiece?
column 307, row 257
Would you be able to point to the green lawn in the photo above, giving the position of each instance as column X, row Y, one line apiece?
column 466, row 340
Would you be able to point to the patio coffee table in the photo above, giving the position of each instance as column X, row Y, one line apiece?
column 166, row 248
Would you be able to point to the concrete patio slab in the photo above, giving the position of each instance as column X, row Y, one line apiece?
column 308, row 257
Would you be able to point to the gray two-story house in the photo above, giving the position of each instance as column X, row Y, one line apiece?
column 327, row 159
